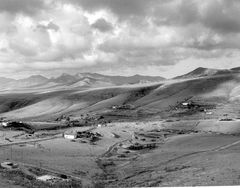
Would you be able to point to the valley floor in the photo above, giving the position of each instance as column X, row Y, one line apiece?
column 141, row 153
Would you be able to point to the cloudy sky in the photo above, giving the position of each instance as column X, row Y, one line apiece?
column 117, row 37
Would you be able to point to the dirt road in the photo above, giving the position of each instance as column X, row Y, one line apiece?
column 31, row 140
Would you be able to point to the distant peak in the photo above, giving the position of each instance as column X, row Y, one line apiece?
column 236, row 69
column 202, row 72
column 65, row 74
column 201, row 68
column 137, row 75
column 37, row 76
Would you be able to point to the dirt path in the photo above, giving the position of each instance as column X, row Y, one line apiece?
column 4, row 183
column 31, row 140
column 109, row 150
column 227, row 146
column 40, row 139
column 205, row 151
column 85, row 182
column 177, row 159
column 219, row 148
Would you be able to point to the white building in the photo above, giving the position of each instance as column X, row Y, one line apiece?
column 4, row 123
column 9, row 165
column 48, row 178
column 70, row 135
column 209, row 113
column 114, row 107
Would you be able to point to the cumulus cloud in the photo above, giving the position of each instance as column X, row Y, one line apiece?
column 102, row 25
column 49, row 25
column 29, row 7
column 176, row 13
column 122, row 8
column 222, row 16
column 98, row 35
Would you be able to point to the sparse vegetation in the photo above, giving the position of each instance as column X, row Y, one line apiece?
column 127, row 136
column 22, row 179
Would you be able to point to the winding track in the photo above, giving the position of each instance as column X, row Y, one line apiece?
column 86, row 182
column 32, row 140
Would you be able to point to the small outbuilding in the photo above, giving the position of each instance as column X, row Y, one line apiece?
column 209, row 113
column 9, row 165
column 185, row 103
column 114, row 107
column 70, row 135
column 49, row 178
column 4, row 123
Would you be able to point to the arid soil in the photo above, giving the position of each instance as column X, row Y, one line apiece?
column 171, row 133
column 173, row 154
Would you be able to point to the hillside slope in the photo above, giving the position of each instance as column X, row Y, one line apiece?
column 160, row 99
column 203, row 72
column 68, row 81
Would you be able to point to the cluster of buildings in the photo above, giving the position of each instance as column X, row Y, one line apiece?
column 51, row 179
column 4, row 123
column 191, row 105
column 83, row 134
column 138, row 146
column 123, row 107
column 9, row 165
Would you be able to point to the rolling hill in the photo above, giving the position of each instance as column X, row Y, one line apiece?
column 68, row 81
column 114, row 80
column 236, row 69
column 148, row 99
column 202, row 72
column 96, row 94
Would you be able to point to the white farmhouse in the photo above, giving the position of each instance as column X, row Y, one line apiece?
column 4, row 123
column 70, row 135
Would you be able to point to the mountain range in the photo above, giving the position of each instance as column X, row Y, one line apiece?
column 79, row 79
column 203, row 72
column 99, row 80
column 41, row 98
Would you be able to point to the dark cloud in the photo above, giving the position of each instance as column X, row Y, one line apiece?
column 207, row 54
column 219, row 15
column 222, row 16
column 5, row 50
column 122, row 8
column 140, row 33
column 23, row 49
column 174, row 13
column 102, row 25
column 50, row 25
column 29, row 7
column 134, row 57
column 227, row 42
column 53, row 26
